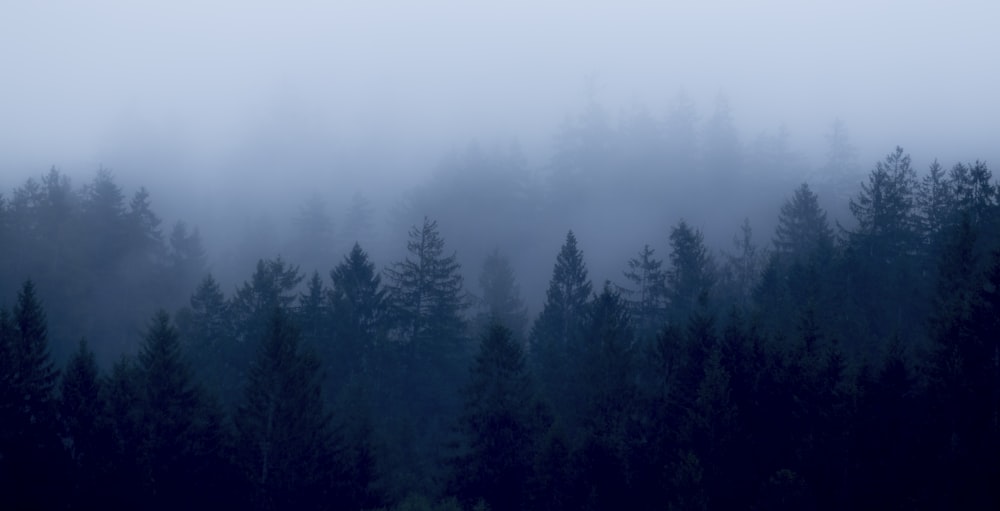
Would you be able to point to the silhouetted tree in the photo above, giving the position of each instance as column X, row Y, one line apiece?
column 646, row 293
column 30, row 453
column 285, row 446
column 85, row 427
column 561, row 322
column 691, row 275
column 500, row 424
column 500, row 299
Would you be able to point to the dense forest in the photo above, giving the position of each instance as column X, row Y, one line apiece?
column 833, row 366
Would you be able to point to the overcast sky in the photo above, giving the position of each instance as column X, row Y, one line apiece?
column 199, row 86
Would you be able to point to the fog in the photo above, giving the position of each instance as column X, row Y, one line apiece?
column 522, row 255
column 232, row 112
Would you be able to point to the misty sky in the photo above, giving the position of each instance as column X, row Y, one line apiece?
column 164, row 90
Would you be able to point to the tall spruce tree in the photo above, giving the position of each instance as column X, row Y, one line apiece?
column 180, row 441
column 500, row 299
column 359, row 308
column 691, row 277
column 30, row 451
column 285, row 444
column 802, row 227
column 646, row 292
column 84, row 427
column 500, row 424
column 560, row 325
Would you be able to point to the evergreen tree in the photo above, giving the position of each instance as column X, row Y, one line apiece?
column 691, row 276
column 934, row 199
column 500, row 423
column 560, row 324
column 207, row 335
column 359, row 308
column 606, row 405
column 881, row 267
column 426, row 292
column 313, row 312
column 286, row 449
column 84, row 427
column 743, row 267
column 802, row 227
column 179, row 436
column 646, row 294
column 186, row 257
column 884, row 210
column 501, row 296
column 30, row 453
column 272, row 286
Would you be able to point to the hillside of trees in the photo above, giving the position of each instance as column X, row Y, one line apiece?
column 819, row 366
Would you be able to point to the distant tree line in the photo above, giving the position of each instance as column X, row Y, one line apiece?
column 829, row 368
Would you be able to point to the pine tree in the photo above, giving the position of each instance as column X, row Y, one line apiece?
column 743, row 267
column 499, row 424
column 207, row 335
column 30, row 452
column 313, row 313
column 84, row 426
column 272, row 286
column 426, row 292
column 178, row 445
column 646, row 293
column 884, row 210
column 882, row 255
column 691, row 276
column 934, row 199
column 359, row 308
column 186, row 257
column 802, row 227
column 501, row 296
column 560, row 325
column 606, row 405
column 283, row 431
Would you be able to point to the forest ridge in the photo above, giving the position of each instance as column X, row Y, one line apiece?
column 832, row 367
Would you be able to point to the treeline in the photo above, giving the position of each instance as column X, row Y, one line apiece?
column 831, row 368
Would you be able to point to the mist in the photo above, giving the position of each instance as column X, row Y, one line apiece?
column 157, row 161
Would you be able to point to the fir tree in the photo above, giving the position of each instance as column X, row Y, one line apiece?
column 802, row 227
column 359, row 308
column 691, row 275
column 646, row 293
column 560, row 324
column 500, row 423
column 501, row 296
column 283, row 431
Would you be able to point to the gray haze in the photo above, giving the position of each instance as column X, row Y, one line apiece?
column 232, row 112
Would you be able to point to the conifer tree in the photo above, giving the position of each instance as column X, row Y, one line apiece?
column 802, row 227
column 359, row 308
column 500, row 299
column 691, row 275
column 285, row 447
column 646, row 293
column 560, row 325
column 426, row 292
column 500, row 423
column 30, row 452
column 84, row 426
column 179, row 437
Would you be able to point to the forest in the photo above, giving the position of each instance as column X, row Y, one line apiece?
column 833, row 366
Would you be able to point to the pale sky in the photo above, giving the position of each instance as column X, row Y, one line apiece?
column 198, row 86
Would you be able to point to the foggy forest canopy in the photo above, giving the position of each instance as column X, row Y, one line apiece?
column 822, row 363
column 330, row 258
